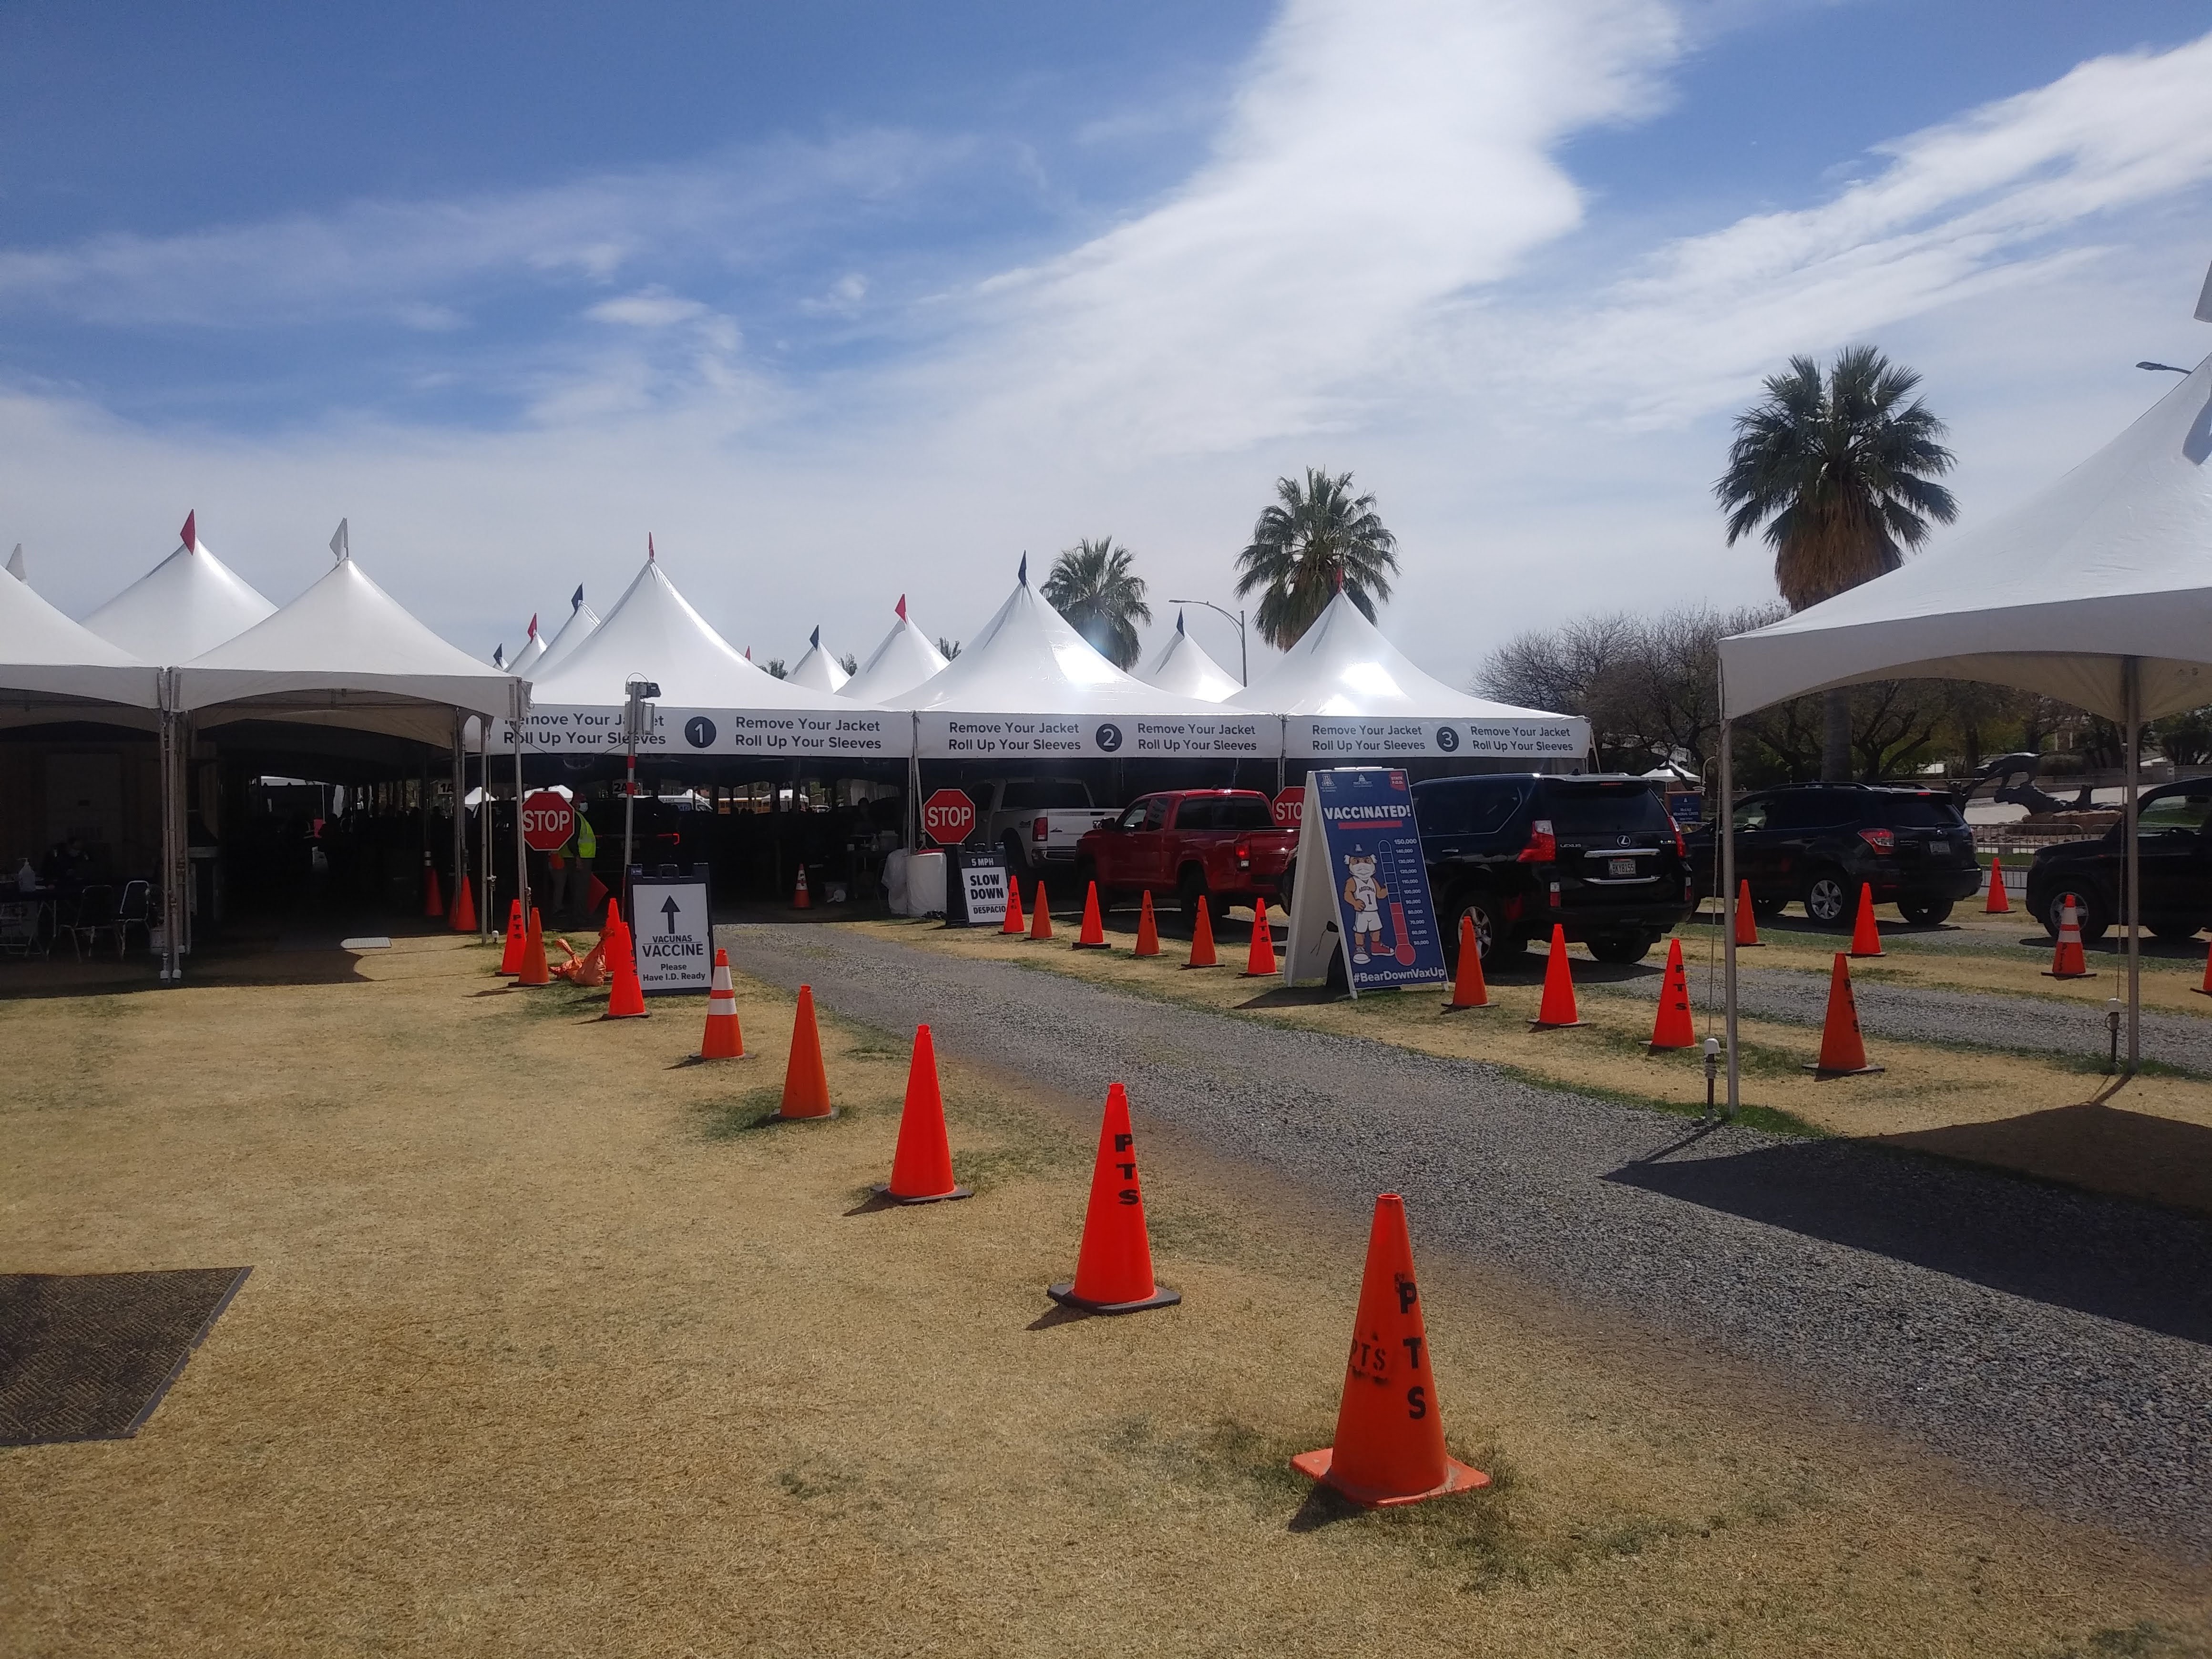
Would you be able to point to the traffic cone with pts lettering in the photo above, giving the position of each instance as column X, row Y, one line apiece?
column 1260, row 959
column 1390, row 1446
column 1114, row 1265
column 1843, row 1048
column 1148, row 929
column 805, row 1082
column 510, row 957
column 725, row 1039
column 1673, row 1028
column 1469, row 990
column 1558, row 1008
column 922, row 1167
column 1013, row 923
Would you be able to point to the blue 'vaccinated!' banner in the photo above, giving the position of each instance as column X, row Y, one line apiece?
column 1381, row 880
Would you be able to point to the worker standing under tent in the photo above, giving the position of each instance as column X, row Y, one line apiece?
column 572, row 869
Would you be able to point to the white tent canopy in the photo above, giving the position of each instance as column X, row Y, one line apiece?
column 1348, row 694
column 903, row 662
column 345, row 653
column 1028, row 684
column 2113, row 561
column 523, row 665
column 711, row 700
column 188, row 604
column 818, row 671
column 1183, row 667
column 583, row 622
column 43, row 653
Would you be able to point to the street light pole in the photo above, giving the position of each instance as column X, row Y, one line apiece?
column 1243, row 655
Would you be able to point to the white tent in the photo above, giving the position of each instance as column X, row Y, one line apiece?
column 582, row 623
column 903, row 662
column 2096, row 591
column 1028, row 684
column 48, row 662
column 1183, row 668
column 189, row 603
column 818, row 671
column 1347, row 694
column 711, row 700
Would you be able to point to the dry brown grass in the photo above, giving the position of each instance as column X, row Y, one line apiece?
column 551, row 1347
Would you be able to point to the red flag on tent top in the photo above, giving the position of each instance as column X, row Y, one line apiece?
column 902, row 607
column 533, row 624
column 648, row 547
column 190, row 531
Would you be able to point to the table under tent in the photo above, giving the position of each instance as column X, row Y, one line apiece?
column 2096, row 590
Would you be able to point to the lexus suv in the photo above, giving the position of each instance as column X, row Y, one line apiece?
column 1821, row 842
column 2174, row 853
column 1516, row 853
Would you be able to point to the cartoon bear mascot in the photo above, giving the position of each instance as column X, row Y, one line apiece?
column 1364, row 894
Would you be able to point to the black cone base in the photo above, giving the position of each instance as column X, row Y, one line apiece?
column 882, row 1190
column 1064, row 1295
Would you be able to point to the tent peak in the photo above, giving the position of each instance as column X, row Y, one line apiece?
column 2203, row 312
column 901, row 607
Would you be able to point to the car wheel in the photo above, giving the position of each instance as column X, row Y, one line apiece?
column 1492, row 944
column 1924, row 912
column 1620, row 949
column 1827, row 900
column 1190, row 889
column 2179, row 929
column 2090, row 911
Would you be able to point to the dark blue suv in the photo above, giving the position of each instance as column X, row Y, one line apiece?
column 1516, row 853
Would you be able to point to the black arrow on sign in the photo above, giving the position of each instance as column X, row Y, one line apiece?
column 671, row 909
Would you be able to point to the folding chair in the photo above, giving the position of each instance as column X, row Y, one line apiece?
column 95, row 915
column 135, row 911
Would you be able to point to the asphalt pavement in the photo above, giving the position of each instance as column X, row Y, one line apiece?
column 2059, row 1342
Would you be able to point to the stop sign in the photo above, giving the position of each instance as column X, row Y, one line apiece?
column 1289, row 808
column 546, row 821
column 947, row 818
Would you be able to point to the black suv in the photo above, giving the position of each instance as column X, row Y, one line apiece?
column 1518, row 851
column 1822, row 841
column 2174, row 853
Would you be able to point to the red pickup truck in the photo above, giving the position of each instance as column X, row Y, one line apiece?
column 1222, row 843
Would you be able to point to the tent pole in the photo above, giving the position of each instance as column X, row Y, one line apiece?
column 173, row 820
column 484, row 902
column 2131, row 748
column 460, row 824
column 521, row 846
column 1724, row 830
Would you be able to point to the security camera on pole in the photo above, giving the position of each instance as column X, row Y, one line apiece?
column 637, row 720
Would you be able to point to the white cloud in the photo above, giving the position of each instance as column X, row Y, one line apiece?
column 652, row 307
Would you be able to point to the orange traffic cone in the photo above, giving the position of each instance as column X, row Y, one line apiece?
column 1674, row 1029
column 1114, row 1267
column 2066, row 960
column 724, row 1038
column 1260, row 959
column 1468, row 988
column 433, row 898
column 1843, row 1050
column 534, row 971
column 465, row 909
column 510, row 958
column 1093, row 936
column 1148, row 929
column 1390, row 1446
column 1013, row 924
column 2205, row 989
column 625, row 995
column 799, row 900
column 806, row 1083
column 1558, row 1007
column 589, row 971
column 1201, row 939
column 921, row 1168
column 1999, row 901
column 1865, row 937
column 1040, row 918
column 1747, row 919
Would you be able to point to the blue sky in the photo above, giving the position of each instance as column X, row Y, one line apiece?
column 848, row 300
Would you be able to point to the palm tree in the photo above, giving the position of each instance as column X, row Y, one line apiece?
column 1321, row 538
column 1841, row 472
column 1091, row 586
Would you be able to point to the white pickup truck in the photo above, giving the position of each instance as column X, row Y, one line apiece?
column 1039, row 820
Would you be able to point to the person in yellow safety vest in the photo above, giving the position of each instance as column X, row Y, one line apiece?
column 572, row 869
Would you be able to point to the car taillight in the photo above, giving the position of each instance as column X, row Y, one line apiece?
column 1038, row 830
column 1882, row 841
column 1543, row 847
column 1243, row 852
column 1681, row 848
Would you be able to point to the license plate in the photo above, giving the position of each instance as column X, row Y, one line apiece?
column 1620, row 866
column 1937, row 849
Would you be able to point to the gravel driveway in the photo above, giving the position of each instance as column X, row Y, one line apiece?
column 2060, row 1342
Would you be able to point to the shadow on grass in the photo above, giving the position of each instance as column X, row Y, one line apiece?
column 753, row 1112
